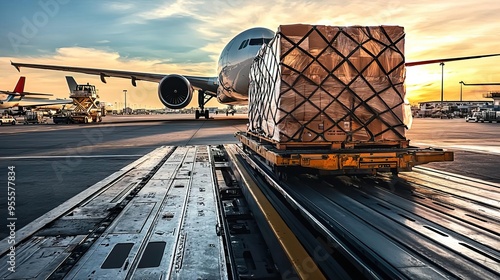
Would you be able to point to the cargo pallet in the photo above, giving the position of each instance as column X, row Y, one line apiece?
column 352, row 161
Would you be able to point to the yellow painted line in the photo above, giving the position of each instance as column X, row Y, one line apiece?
column 301, row 261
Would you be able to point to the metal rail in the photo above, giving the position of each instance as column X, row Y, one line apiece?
column 424, row 224
column 138, row 226
column 301, row 261
column 63, row 269
column 321, row 249
column 439, row 243
column 90, row 193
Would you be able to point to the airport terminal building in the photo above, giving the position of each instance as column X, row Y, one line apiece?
column 457, row 108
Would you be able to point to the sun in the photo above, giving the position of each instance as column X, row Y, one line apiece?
column 422, row 83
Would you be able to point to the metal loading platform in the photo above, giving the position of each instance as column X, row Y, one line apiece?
column 344, row 161
column 154, row 219
column 203, row 212
column 173, row 214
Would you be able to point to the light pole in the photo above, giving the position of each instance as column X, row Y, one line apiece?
column 442, row 83
column 461, row 84
column 125, row 109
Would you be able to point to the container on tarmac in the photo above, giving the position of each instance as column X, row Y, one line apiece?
column 490, row 116
column 340, row 86
column 34, row 117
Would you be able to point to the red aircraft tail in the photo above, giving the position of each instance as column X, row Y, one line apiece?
column 20, row 85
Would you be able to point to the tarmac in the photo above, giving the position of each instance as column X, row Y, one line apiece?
column 55, row 162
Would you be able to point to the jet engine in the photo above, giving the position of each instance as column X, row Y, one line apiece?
column 175, row 91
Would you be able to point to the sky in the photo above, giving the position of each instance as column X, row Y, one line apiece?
column 187, row 36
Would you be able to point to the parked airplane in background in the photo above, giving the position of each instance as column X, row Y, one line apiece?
column 16, row 98
column 19, row 91
column 230, row 86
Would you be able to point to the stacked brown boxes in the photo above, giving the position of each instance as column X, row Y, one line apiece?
column 329, row 84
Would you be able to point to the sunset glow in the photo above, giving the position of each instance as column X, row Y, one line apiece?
column 186, row 37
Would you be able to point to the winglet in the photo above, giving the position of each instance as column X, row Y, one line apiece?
column 15, row 65
column 20, row 85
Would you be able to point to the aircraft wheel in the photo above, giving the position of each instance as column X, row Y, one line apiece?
column 207, row 114
column 197, row 114
column 232, row 114
column 13, row 122
column 227, row 113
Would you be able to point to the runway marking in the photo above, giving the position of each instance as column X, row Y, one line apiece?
column 70, row 156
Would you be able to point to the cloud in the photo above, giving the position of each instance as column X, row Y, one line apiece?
column 186, row 36
column 120, row 6
column 144, row 94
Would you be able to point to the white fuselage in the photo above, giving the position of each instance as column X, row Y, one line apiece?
column 235, row 62
column 19, row 101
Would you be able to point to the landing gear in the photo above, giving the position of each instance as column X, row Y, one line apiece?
column 203, row 98
column 202, row 113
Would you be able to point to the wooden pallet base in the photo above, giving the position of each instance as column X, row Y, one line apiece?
column 332, row 145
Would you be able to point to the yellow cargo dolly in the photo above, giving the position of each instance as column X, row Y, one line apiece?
column 343, row 161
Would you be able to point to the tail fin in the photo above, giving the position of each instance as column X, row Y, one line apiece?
column 71, row 83
column 20, row 85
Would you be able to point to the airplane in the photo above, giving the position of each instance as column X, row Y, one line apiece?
column 229, row 87
column 16, row 98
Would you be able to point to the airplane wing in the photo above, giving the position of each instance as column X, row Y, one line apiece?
column 423, row 62
column 206, row 83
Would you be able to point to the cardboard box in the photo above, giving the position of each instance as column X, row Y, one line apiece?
column 329, row 84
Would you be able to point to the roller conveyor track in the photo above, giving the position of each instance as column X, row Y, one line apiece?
column 441, row 226
column 158, row 218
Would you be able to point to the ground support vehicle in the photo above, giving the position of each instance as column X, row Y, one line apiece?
column 62, row 118
column 475, row 117
column 34, row 117
column 86, row 109
column 7, row 120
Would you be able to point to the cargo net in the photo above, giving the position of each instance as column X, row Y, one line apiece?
column 330, row 84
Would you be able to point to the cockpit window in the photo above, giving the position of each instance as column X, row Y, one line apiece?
column 254, row 42
column 243, row 44
column 259, row 41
